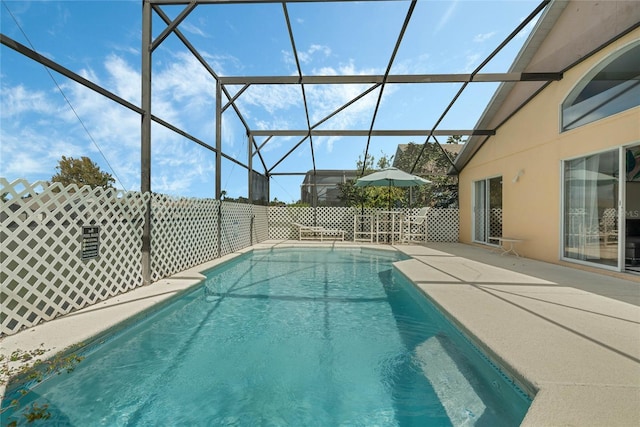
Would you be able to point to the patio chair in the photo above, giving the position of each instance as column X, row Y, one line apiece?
column 414, row 227
column 609, row 227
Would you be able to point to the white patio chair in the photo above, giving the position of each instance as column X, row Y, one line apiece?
column 609, row 226
column 414, row 227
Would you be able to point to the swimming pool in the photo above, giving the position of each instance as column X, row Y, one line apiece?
column 313, row 337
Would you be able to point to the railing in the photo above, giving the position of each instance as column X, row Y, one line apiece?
column 64, row 248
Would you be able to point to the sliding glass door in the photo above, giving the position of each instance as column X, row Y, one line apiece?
column 630, row 240
column 487, row 199
column 591, row 197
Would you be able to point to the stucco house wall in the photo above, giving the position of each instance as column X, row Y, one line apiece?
column 531, row 142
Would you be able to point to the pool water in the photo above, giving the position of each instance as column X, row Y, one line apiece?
column 309, row 337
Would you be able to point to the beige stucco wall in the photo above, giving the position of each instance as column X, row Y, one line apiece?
column 531, row 141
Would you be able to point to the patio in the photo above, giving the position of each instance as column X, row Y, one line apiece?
column 574, row 346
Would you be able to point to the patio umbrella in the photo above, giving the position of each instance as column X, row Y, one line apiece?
column 391, row 177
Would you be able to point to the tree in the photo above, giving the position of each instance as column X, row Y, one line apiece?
column 82, row 171
column 433, row 165
column 370, row 197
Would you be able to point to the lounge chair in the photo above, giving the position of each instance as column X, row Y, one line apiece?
column 308, row 232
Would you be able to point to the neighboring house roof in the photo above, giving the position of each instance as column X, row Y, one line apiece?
column 568, row 32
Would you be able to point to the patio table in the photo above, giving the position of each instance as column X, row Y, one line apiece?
column 507, row 249
column 389, row 226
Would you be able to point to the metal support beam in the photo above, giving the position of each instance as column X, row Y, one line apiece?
column 304, row 95
column 295, row 147
column 204, row 63
column 361, row 132
column 231, row 101
column 385, row 79
column 218, row 140
column 171, row 26
column 392, row 79
column 145, row 139
column 175, row 2
column 219, row 162
column 261, row 145
column 7, row 41
column 29, row 53
column 475, row 72
column 344, row 106
column 250, row 162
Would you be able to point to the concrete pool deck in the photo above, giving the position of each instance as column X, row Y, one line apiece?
column 568, row 336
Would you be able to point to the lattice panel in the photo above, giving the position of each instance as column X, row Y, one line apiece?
column 43, row 275
column 495, row 222
column 260, row 231
column 281, row 218
column 184, row 233
column 236, row 227
column 442, row 224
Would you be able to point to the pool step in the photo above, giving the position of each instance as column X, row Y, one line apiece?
column 458, row 397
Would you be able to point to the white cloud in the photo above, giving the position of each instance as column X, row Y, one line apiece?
column 447, row 16
column 480, row 38
column 272, row 98
column 418, row 64
column 178, row 173
column 325, row 99
column 184, row 79
column 322, row 100
column 307, row 56
column 124, row 79
column 183, row 94
column 191, row 28
column 472, row 61
column 18, row 100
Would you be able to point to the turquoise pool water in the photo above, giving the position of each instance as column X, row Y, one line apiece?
column 288, row 338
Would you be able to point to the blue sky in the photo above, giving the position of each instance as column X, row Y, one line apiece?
column 42, row 120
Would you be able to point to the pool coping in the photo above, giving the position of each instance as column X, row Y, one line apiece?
column 576, row 352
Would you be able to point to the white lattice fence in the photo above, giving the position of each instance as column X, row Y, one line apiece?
column 260, row 230
column 43, row 273
column 495, row 222
column 236, row 226
column 281, row 219
column 442, row 224
column 46, row 271
column 45, row 268
column 184, row 233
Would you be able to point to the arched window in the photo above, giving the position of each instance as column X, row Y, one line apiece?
column 611, row 87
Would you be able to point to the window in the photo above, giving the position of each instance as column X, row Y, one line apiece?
column 612, row 87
